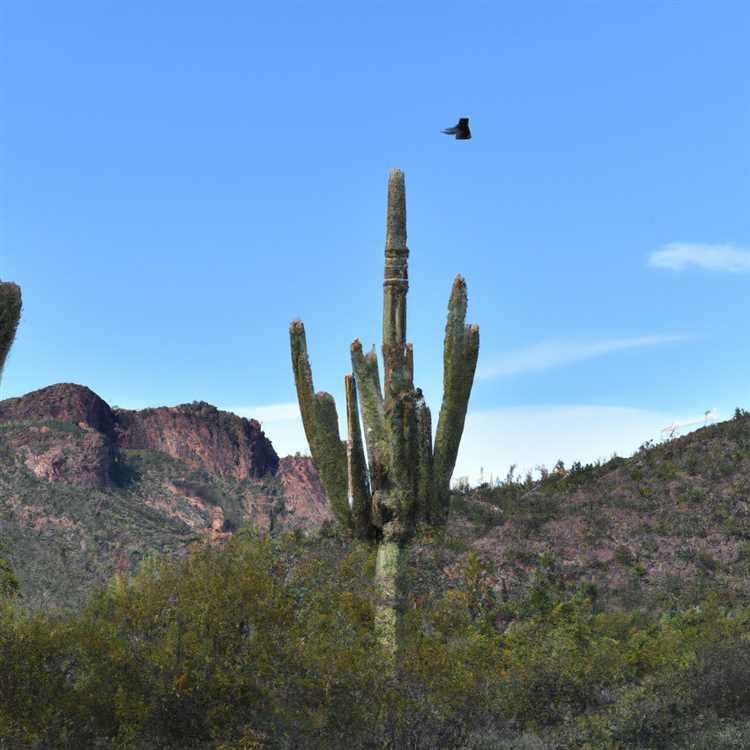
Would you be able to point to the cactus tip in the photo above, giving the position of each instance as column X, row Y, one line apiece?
column 396, row 213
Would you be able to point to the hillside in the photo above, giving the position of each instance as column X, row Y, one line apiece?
column 660, row 527
column 663, row 525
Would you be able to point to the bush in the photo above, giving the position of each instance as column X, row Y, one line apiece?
column 721, row 676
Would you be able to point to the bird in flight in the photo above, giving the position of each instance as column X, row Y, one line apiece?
column 461, row 131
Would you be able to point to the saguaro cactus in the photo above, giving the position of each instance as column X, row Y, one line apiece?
column 10, row 314
column 404, row 479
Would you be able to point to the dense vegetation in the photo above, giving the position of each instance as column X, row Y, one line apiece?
column 508, row 641
column 268, row 643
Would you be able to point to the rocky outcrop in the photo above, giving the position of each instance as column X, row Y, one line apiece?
column 200, row 435
column 81, row 457
column 66, row 402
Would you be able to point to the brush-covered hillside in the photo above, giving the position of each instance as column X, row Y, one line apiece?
column 661, row 526
column 603, row 607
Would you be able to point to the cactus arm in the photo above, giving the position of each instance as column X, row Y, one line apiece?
column 320, row 421
column 358, row 487
column 10, row 314
column 373, row 413
column 460, row 353
column 424, row 460
column 409, row 363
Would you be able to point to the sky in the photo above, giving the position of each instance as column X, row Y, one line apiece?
column 180, row 180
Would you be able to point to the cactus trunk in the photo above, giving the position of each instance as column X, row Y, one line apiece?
column 404, row 479
column 387, row 566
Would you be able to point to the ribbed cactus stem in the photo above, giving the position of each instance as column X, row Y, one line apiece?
column 321, row 424
column 10, row 314
column 373, row 414
column 425, row 500
column 395, row 288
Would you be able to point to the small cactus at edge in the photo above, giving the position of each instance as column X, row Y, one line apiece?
column 10, row 314
column 405, row 479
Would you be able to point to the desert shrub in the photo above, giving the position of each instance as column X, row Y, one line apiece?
column 483, row 514
column 721, row 676
column 724, row 736
column 8, row 580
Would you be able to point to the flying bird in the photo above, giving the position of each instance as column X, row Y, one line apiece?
column 461, row 131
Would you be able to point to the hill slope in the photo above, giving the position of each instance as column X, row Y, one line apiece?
column 663, row 525
column 76, row 506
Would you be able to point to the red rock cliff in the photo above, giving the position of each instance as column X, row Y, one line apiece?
column 200, row 435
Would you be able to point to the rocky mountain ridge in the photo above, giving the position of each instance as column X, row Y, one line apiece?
column 198, row 434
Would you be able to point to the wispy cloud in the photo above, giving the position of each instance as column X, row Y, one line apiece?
column 529, row 436
column 678, row 256
column 270, row 412
column 559, row 352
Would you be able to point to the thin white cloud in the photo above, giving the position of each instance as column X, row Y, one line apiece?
column 555, row 353
column 677, row 256
column 269, row 412
column 495, row 439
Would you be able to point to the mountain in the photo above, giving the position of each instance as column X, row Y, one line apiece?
column 87, row 490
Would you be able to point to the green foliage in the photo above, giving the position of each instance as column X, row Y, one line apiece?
column 8, row 581
column 270, row 643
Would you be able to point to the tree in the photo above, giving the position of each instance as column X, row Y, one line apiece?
column 404, row 480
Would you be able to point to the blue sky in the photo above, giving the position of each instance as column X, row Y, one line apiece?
column 178, row 181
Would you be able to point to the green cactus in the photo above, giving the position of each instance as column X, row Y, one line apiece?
column 405, row 479
column 10, row 314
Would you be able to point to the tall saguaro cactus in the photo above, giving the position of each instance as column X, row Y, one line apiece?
column 10, row 314
column 405, row 479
